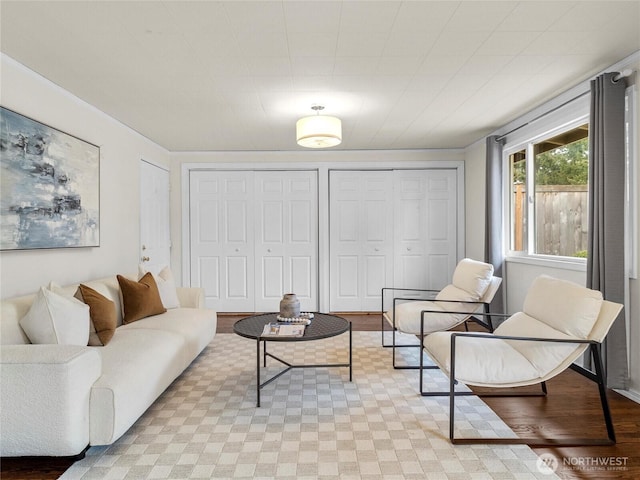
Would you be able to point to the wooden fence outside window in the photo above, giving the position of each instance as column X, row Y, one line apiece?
column 561, row 221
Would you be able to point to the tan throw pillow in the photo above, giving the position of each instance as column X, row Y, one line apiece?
column 103, row 315
column 140, row 299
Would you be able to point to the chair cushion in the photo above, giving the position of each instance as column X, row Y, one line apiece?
column 473, row 277
column 407, row 317
column 480, row 361
column 451, row 292
column 544, row 356
column 563, row 305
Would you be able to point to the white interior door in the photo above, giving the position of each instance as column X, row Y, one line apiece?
column 360, row 238
column 222, row 238
column 286, row 213
column 155, row 234
column 425, row 228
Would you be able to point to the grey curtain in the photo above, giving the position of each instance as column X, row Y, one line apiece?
column 605, row 263
column 493, row 247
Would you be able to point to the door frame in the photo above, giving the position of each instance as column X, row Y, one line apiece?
column 322, row 167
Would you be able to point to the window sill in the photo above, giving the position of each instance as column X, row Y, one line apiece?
column 578, row 264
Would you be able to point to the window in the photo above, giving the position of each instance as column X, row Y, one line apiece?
column 549, row 194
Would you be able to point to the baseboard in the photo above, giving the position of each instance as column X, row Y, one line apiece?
column 630, row 394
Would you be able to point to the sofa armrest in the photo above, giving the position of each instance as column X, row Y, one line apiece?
column 44, row 393
column 192, row 297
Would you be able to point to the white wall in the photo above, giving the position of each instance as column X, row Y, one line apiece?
column 121, row 149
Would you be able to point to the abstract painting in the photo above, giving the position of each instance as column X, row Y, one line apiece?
column 50, row 186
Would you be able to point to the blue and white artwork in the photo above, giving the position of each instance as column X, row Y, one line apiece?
column 50, row 186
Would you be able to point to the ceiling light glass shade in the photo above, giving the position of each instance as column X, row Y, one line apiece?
column 319, row 131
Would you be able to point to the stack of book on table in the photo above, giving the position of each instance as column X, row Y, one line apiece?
column 288, row 326
column 283, row 330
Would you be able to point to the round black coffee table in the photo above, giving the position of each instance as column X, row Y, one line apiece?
column 323, row 325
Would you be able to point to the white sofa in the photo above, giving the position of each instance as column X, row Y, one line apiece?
column 55, row 400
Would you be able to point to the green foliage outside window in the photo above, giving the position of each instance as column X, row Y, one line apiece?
column 566, row 165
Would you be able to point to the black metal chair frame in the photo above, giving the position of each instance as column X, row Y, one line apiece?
column 598, row 377
column 393, row 345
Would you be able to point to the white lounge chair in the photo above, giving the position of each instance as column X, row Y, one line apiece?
column 558, row 322
column 471, row 291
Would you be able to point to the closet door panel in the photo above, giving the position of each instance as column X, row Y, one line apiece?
column 272, row 280
column 442, row 231
column 361, row 243
column 426, row 235
column 287, row 226
column 221, row 238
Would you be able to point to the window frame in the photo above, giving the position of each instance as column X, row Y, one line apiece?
column 555, row 126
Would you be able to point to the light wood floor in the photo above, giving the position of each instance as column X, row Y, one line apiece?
column 571, row 408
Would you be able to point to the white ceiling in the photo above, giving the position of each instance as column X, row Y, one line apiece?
column 236, row 75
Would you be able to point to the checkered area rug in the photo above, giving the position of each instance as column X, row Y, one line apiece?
column 312, row 424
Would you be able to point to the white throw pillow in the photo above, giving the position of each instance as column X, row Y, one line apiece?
column 166, row 284
column 56, row 319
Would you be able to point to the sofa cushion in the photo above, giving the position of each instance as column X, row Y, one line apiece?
column 56, row 319
column 473, row 277
column 140, row 299
column 196, row 325
column 563, row 305
column 11, row 312
column 166, row 284
column 137, row 366
column 103, row 315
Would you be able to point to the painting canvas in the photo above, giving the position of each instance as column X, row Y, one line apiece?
column 50, row 186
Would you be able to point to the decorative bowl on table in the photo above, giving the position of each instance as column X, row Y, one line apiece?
column 304, row 318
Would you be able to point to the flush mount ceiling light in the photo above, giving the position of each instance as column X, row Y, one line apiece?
column 318, row 131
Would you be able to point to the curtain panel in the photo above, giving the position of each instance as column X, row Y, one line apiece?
column 606, row 262
column 494, row 223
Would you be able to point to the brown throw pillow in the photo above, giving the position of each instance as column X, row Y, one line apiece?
column 103, row 315
column 140, row 299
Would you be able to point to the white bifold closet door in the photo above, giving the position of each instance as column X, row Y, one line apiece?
column 360, row 239
column 253, row 237
column 286, row 236
column 390, row 228
column 425, row 228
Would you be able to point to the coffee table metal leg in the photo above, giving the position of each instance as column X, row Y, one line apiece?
column 264, row 353
column 350, row 354
column 258, row 373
